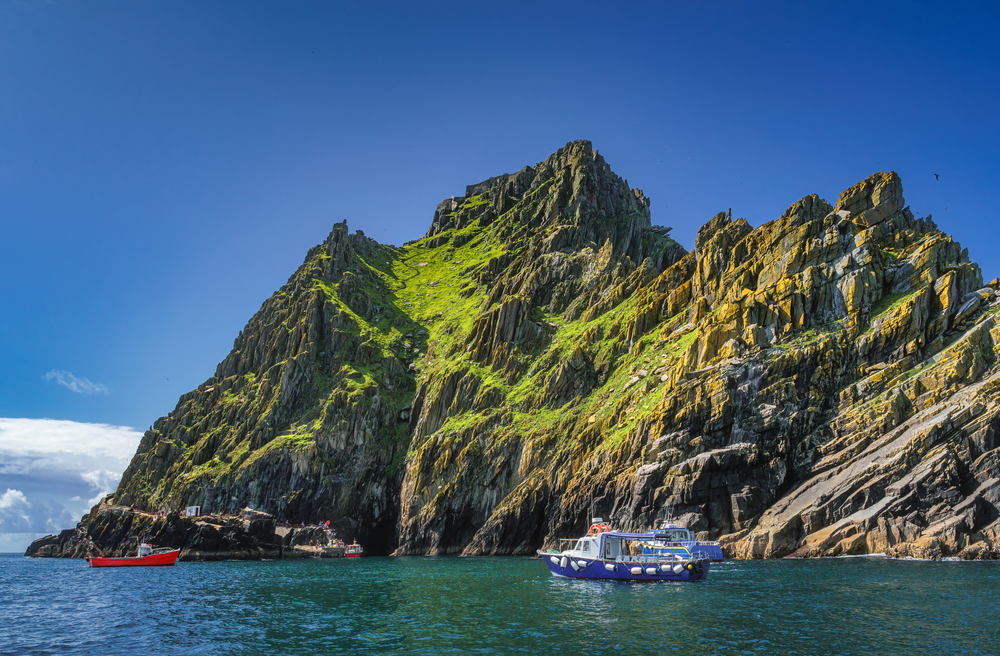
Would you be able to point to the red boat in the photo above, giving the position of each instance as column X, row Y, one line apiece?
column 353, row 551
column 148, row 556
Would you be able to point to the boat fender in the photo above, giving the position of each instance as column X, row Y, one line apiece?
column 690, row 567
column 651, row 570
column 583, row 564
column 610, row 567
column 555, row 561
column 574, row 565
column 678, row 568
column 665, row 568
column 563, row 562
column 636, row 571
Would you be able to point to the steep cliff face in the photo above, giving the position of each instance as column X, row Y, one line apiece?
column 302, row 418
column 499, row 399
column 821, row 384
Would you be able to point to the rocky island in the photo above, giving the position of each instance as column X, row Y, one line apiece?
column 823, row 384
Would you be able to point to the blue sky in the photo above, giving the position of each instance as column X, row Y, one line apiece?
column 165, row 166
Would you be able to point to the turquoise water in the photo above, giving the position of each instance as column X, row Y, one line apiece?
column 495, row 606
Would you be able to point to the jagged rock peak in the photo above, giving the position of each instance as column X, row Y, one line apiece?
column 823, row 383
column 572, row 200
column 874, row 199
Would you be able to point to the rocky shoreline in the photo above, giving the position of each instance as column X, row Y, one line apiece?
column 823, row 384
column 111, row 530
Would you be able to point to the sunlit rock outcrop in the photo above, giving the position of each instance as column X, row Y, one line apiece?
column 821, row 384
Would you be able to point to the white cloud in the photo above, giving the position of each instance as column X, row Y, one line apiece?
column 12, row 498
column 56, row 437
column 14, row 508
column 63, row 467
column 102, row 482
column 78, row 385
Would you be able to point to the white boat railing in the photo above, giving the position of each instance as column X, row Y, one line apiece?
column 647, row 559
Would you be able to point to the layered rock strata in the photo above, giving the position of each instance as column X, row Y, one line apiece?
column 822, row 384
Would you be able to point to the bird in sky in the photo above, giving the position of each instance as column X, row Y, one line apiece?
column 937, row 177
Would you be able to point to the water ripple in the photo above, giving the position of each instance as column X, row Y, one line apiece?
column 494, row 606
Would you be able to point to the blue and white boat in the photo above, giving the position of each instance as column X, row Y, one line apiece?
column 673, row 540
column 603, row 554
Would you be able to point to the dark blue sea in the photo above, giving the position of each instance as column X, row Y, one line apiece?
column 496, row 606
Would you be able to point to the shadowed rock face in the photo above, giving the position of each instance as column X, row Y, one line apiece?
column 822, row 384
column 116, row 531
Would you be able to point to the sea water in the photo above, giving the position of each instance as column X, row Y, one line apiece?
column 455, row 605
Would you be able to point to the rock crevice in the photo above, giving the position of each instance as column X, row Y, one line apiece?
column 822, row 384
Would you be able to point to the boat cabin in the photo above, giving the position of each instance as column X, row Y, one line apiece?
column 589, row 546
column 145, row 550
column 586, row 548
column 673, row 533
column 602, row 544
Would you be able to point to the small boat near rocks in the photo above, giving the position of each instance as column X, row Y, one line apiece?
column 353, row 551
column 147, row 556
column 604, row 554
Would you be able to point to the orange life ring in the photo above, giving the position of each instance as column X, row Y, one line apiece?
column 597, row 529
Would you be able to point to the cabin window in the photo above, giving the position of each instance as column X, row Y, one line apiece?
column 579, row 546
column 586, row 546
column 612, row 548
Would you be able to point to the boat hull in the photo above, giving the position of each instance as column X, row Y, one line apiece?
column 609, row 570
column 352, row 555
column 154, row 560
